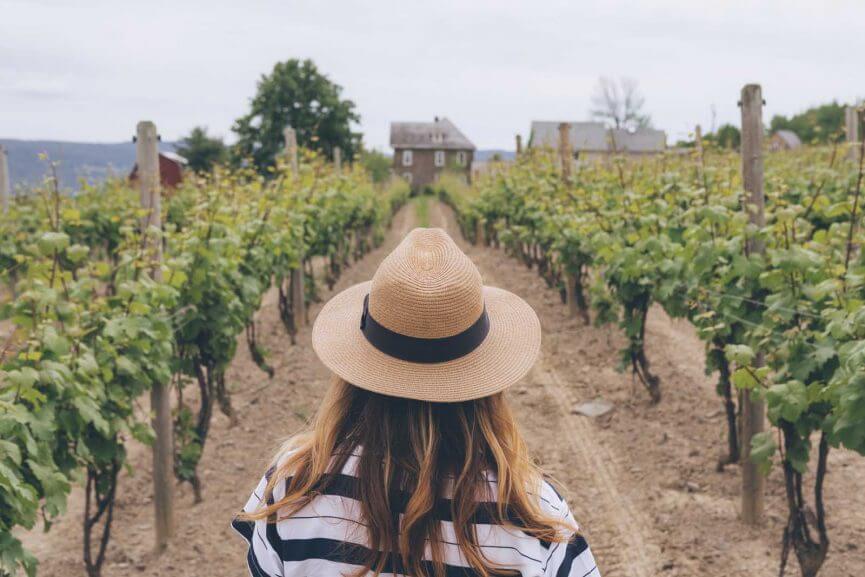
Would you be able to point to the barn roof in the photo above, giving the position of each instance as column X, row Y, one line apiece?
column 790, row 138
column 640, row 140
column 173, row 156
column 583, row 135
column 596, row 137
column 441, row 133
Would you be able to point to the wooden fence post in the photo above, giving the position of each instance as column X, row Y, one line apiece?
column 337, row 159
column 147, row 157
column 753, row 411
column 5, row 188
column 565, row 150
column 291, row 147
column 519, row 145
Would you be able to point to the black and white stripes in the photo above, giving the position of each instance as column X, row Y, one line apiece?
column 327, row 538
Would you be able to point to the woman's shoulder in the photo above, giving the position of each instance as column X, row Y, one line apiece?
column 554, row 505
column 551, row 499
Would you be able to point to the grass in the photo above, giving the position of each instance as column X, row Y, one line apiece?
column 421, row 208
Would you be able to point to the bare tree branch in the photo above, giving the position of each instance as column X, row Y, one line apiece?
column 619, row 105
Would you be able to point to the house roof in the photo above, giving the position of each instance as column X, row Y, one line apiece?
column 441, row 133
column 640, row 140
column 790, row 138
column 583, row 135
column 596, row 137
column 173, row 156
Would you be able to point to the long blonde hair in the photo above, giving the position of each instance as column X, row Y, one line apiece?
column 414, row 448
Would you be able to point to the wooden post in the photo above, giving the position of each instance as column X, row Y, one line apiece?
column 571, row 289
column 565, row 150
column 479, row 232
column 147, row 157
column 5, row 188
column 298, row 297
column 519, row 145
column 337, row 159
column 296, row 290
column 851, row 121
column 291, row 147
column 753, row 411
column 698, row 143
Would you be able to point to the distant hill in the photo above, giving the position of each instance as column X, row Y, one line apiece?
column 94, row 162
column 487, row 154
column 75, row 160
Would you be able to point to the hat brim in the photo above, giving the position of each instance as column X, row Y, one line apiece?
column 503, row 358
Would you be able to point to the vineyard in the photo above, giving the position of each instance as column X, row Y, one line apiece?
column 105, row 308
column 662, row 287
column 778, row 303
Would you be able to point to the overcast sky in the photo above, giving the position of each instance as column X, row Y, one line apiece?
column 88, row 70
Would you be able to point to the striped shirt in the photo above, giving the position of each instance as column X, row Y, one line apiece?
column 327, row 538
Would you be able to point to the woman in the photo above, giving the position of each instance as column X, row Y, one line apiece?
column 414, row 464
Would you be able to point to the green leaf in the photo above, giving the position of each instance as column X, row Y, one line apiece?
column 763, row 447
column 90, row 413
column 787, row 401
column 51, row 241
column 742, row 378
column 742, row 355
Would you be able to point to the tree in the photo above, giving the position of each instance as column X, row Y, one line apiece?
column 819, row 124
column 727, row 136
column 377, row 164
column 619, row 104
column 296, row 94
column 202, row 151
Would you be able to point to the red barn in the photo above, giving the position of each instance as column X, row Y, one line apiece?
column 171, row 166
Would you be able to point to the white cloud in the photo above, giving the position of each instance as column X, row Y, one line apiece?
column 89, row 70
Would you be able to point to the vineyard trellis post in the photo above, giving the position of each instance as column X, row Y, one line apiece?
column 852, row 126
column 147, row 158
column 852, row 121
column 698, row 143
column 5, row 188
column 698, row 140
column 753, row 410
column 565, row 158
column 337, row 159
column 296, row 290
column 565, row 150
column 519, row 145
column 291, row 147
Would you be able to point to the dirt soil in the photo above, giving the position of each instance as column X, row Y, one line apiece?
column 641, row 479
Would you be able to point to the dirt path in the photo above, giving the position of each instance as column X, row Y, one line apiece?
column 641, row 480
column 568, row 445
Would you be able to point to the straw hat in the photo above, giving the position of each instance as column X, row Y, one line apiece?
column 427, row 328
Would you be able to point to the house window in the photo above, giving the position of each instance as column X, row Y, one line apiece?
column 461, row 158
column 440, row 158
column 406, row 157
column 407, row 176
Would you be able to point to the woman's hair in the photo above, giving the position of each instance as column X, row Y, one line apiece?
column 416, row 449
